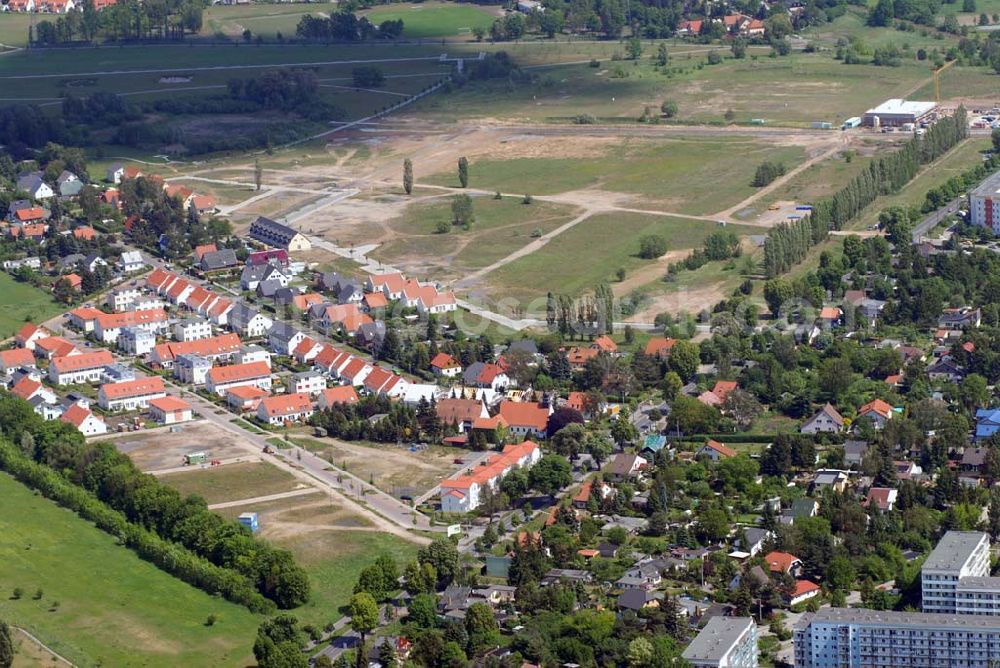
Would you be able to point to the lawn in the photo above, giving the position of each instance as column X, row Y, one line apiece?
column 20, row 302
column 695, row 176
column 265, row 20
column 435, row 19
column 589, row 253
column 14, row 28
column 501, row 227
column 232, row 482
column 113, row 608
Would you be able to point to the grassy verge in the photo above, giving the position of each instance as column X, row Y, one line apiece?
column 113, row 608
column 20, row 302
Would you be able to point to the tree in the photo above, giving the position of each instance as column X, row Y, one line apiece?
column 370, row 581
column 668, row 108
column 463, row 171
column 622, row 429
column 634, row 48
column 367, row 77
column 442, row 555
column 258, row 174
column 364, row 614
column 777, row 291
column 407, row 176
column 684, row 359
column 640, row 652
column 461, row 211
column 6, row 646
column 278, row 643
column 481, row 627
column 767, row 172
column 995, row 137
column 840, row 574
column 598, row 447
column 652, row 246
column 882, row 15
column 550, row 474
column 777, row 27
column 422, row 611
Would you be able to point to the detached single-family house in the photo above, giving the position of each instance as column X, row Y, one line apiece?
column 878, row 411
column 33, row 184
column 84, row 420
column 445, row 365
column 284, row 408
column 170, row 410
column 827, row 420
column 623, row 467
column 715, row 451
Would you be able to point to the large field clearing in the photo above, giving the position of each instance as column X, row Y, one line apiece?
column 435, row 19
column 501, row 227
column 696, row 176
column 392, row 469
column 113, row 608
column 590, row 253
column 331, row 542
column 20, row 302
column 163, row 449
column 266, row 20
column 233, row 482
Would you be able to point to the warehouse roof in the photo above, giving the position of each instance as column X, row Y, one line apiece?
column 897, row 106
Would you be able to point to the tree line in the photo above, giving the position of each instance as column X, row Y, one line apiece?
column 124, row 21
column 345, row 26
column 179, row 534
column 787, row 244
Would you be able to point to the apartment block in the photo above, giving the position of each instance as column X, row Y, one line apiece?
column 858, row 638
column 958, row 555
column 725, row 642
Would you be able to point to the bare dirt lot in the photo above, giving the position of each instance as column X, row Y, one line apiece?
column 391, row 468
column 162, row 449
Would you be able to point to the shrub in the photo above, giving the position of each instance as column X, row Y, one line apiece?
column 652, row 246
column 767, row 172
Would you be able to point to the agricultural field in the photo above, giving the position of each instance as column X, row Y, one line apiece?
column 20, row 302
column 101, row 604
column 436, row 19
column 590, row 253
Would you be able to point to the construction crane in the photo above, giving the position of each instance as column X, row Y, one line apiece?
column 937, row 79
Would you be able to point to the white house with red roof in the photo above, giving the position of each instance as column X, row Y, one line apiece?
column 355, row 371
column 130, row 395
column 16, row 357
column 170, row 410
column 342, row 394
column 391, row 285
column 445, row 365
column 28, row 334
column 383, row 382
column 878, row 411
column 245, row 397
column 715, row 451
column 526, row 419
column 285, row 408
column 463, row 494
column 804, row 590
column 82, row 368
column 84, row 420
column 109, row 325
column 222, row 378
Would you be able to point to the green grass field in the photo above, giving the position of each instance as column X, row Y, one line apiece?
column 14, row 28
column 696, row 176
column 114, row 609
column 20, row 302
column 589, row 253
column 265, row 20
column 435, row 19
column 501, row 227
column 232, row 482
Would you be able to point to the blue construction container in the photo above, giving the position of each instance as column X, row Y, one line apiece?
column 249, row 520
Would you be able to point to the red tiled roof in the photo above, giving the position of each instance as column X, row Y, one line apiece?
column 780, row 561
column 26, row 332
column 76, row 415
column 133, row 388
column 170, row 403
column 720, row 448
column 34, row 213
column 524, row 414
column 16, row 357
column 246, row 392
column 25, row 388
column 202, row 249
column 238, row 372
column 444, row 361
column 877, row 406
column 55, row 345
column 659, row 345
column 342, row 394
column 723, row 388
column 605, row 343
column 131, row 318
column 376, row 300
column 459, row 410
column 85, row 232
column 286, row 404
column 83, row 361
column 214, row 345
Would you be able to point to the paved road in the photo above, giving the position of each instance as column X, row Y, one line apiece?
column 932, row 221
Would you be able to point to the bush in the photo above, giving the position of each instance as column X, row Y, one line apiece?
column 595, row 63
column 668, row 108
column 652, row 246
column 714, row 58
column 584, row 119
column 368, row 77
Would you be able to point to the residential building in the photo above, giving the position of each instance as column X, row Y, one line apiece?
column 858, row 638
column 725, row 642
column 192, row 329
column 464, row 493
column 783, row 562
column 219, row 379
column 445, row 365
column 131, row 394
column 122, row 298
column 131, row 261
column 958, row 555
column 244, row 398
column 461, row 413
column 624, row 467
column 54, row 346
column 383, row 382
column 253, row 353
column 191, row 368
column 878, row 411
column 275, row 234
column 715, row 451
column 984, row 204
column 30, row 262
column 216, row 261
column 883, row 498
column 525, row 419
column 307, row 382
column 77, row 369
column 342, row 394
column 16, row 357
column 283, row 338
column 28, row 334
column 84, row 420
column 987, row 422
column 170, row 410
column 108, row 326
column 248, row 322
column 827, row 420
column 33, row 184
column 483, row 374
column 659, row 346
column 136, row 341
column 284, row 408
column 223, row 347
